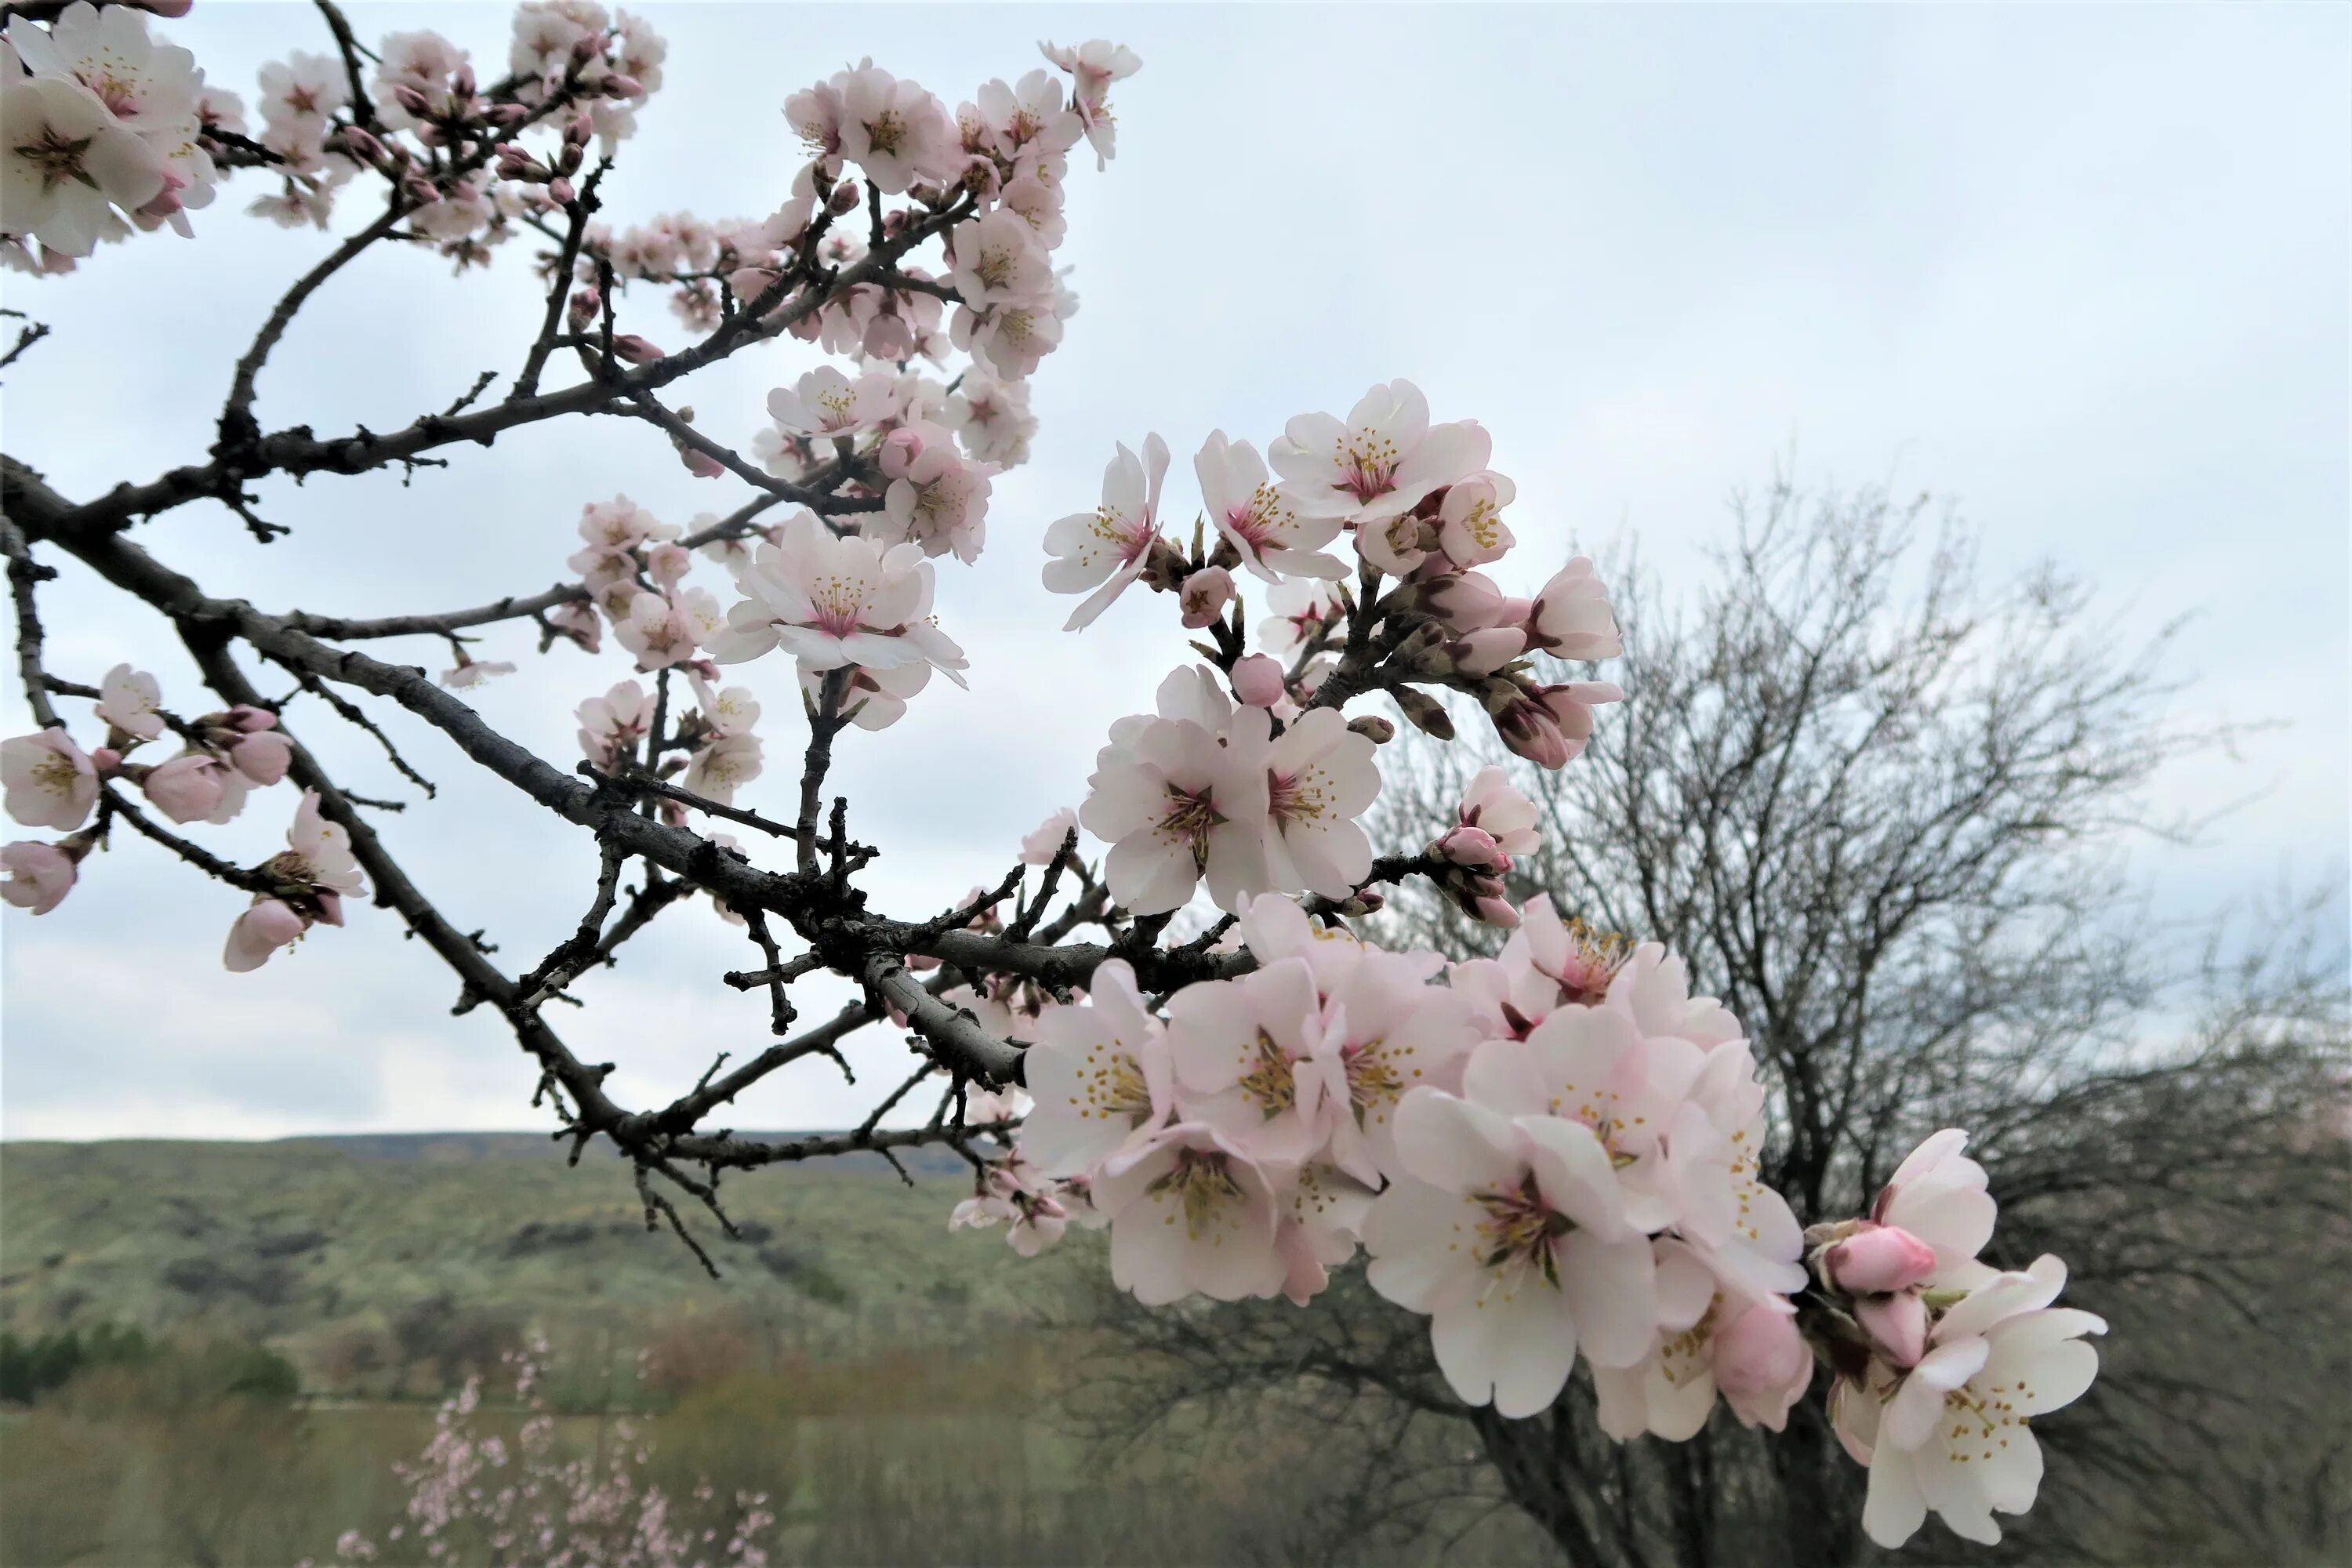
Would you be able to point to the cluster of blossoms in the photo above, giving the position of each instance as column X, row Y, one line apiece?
column 1553, row 1153
column 52, row 783
column 1548, row 1154
column 109, row 128
column 103, row 130
column 471, row 1491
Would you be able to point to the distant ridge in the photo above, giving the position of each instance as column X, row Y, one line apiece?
column 462, row 1148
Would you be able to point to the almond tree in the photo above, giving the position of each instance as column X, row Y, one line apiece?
column 1558, row 1156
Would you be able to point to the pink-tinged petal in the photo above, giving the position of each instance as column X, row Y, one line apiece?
column 1453, row 1144
column 1895, row 1507
column 1611, row 1290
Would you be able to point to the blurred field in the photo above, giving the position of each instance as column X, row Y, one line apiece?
column 304, row 1306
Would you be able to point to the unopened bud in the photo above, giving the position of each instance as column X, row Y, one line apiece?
column 635, row 349
column 362, row 144
column 619, row 86
column 1425, row 713
column 1373, row 727
column 578, row 129
column 1366, row 902
column 106, row 759
column 409, row 98
column 585, row 305
column 1257, row 681
column 559, row 191
column 1877, row 1259
column 1896, row 1324
column 1204, row 595
column 1497, row 911
column 461, row 83
column 1468, row 845
column 845, row 198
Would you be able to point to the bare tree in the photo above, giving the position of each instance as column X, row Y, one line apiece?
column 1882, row 806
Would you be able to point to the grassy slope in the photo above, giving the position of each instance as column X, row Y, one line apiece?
column 290, row 1242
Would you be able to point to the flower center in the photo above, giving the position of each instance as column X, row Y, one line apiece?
column 1519, row 1229
column 1203, row 1186
column 1368, row 464
column 1270, row 1081
column 57, row 159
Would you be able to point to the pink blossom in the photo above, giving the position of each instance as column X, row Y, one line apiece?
column 1093, row 67
column 997, row 259
column 128, row 699
column 1508, row 1234
column 1254, row 518
column 1189, row 1213
column 1319, row 778
column 1010, row 338
column 1937, row 1195
column 1380, row 463
column 1043, row 846
column 1101, row 1076
column 268, row 925
column 1954, row 1433
column 1105, row 549
column 939, row 499
column 1180, row 796
column 723, row 766
column 262, row 755
column 827, row 403
column 614, row 722
column 471, row 672
column 832, row 601
column 1570, row 617
column 39, row 875
column 1236, row 1046
column 1470, row 528
column 191, row 787
column 893, row 130
column 1490, row 804
column 49, row 782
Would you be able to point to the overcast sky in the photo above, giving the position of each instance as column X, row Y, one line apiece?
column 2080, row 270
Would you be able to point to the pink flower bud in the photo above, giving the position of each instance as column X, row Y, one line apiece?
column 507, row 116
column 1204, row 595
column 1529, row 731
column 845, row 198
column 1257, row 681
column 1468, row 602
column 261, row 931
column 262, row 756
column 1897, row 1323
column 1468, row 845
column 619, row 86
column 585, row 303
column 700, row 463
column 1877, row 1259
column 461, row 81
column 578, row 130
column 362, row 144
column 897, row 453
column 1498, row 912
column 561, row 192
column 409, row 98
column 635, row 349
column 331, row 905
column 249, row 719
column 1762, row 1365
column 188, row 788
column 39, row 875
column 106, row 759
column 1486, row 651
